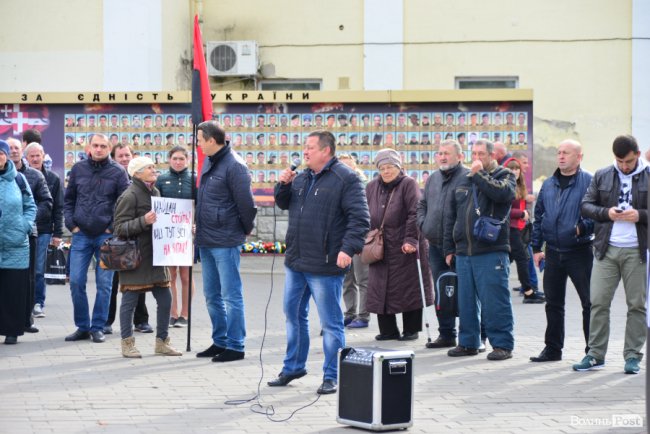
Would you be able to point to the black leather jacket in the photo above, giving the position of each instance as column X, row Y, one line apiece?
column 602, row 194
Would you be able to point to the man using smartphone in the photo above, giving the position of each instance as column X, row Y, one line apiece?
column 617, row 200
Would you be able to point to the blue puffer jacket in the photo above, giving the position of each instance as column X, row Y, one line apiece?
column 328, row 218
column 93, row 189
column 557, row 213
column 225, row 209
column 18, row 212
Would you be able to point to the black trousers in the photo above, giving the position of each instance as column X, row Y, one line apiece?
column 29, row 301
column 576, row 265
column 411, row 322
column 519, row 254
column 141, row 314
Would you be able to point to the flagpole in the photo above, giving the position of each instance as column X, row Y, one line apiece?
column 201, row 112
column 189, row 296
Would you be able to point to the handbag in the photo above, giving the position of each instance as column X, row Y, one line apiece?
column 55, row 265
column 119, row 254
column 486, row 229
column 373, row 247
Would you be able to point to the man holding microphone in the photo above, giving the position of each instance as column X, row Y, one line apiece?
column 328, row 219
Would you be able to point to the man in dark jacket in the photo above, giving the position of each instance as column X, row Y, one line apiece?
column 50, row 227
column 225, row 213
column 617, row 200
column 567, row 236
column 482, row 267
column 43, row 200
column 93, row 188
column 328, row 219
column 433, row 211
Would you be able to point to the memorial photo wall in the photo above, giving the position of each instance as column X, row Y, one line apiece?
column 269, row 137
column 148, row 135
column 270, row 140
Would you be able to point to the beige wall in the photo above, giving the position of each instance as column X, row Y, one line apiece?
column 281, row 24
column 51, row 45
column 581, row 89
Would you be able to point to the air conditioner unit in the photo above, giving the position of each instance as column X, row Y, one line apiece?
column 232, row 58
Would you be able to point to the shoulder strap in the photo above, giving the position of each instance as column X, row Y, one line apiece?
column 20, row 180
column 478, row 209
column 383, row 217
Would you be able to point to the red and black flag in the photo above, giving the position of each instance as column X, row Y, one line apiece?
column 201, row 97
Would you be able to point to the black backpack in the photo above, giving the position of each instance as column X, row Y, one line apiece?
column 447, row 293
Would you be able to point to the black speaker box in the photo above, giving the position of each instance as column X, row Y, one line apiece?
column 375, row 388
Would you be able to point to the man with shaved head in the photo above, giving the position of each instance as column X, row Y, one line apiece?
column 563, row 238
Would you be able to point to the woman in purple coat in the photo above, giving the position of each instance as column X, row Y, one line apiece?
column 393, row 283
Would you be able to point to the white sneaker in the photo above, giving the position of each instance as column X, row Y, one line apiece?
column 38, row 311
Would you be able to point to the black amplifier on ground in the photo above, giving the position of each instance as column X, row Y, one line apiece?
column 375, row 388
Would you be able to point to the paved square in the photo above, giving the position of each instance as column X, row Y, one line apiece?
column 51, row 386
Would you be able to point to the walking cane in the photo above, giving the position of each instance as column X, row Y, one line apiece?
column 424, row 299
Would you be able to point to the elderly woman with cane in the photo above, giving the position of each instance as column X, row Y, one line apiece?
column 393, row 282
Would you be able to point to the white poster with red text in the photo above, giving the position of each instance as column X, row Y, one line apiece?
column 172, row 231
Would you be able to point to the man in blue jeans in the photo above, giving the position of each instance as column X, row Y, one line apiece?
column 225, row 212
column 328, row 219
column 482, row 266
column 94, row 185
column 50, row 226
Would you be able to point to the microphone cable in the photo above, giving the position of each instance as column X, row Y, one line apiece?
column 258, row 407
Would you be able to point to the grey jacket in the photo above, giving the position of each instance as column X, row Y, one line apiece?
column 433, row 209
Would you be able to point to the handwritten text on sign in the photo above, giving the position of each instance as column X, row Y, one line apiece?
column 172, row 231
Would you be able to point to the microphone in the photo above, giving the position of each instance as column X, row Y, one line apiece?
column 295, row 164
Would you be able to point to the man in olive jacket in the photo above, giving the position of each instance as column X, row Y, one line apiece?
column 482, row 267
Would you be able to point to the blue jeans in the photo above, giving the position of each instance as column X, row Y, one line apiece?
column 224, row 299
column 326, row 290
column 483, row 294
column 39, row 268
column 532, row 274
column 83, row 248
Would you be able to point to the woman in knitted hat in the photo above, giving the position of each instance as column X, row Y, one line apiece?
column 134, row 218
column 17, row 214
column 393, row 283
